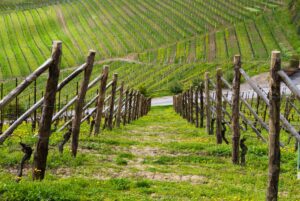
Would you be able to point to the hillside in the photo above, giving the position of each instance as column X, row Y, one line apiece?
column 119, row 28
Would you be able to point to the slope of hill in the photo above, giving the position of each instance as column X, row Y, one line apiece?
column 113, row 27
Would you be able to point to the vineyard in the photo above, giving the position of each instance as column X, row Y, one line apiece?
column 84, row 86
column 121, row 28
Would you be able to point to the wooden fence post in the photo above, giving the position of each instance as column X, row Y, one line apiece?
column 100, row 102
column 17, row 105
column 125, row 116
column 274, row 124
column 235, row 110
column 201, row 106
column 207, row 98
column 197, row 106
column 219, row 113
column 112, row 101
column 120, row 106
column 2, row 115
column 130, row 106
column 137, row 105
column 80, row 102
column 41, row 151
column 133, row 106
column 191, row 109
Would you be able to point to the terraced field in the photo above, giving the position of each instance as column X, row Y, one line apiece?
column 253, row 39
column 117, row 28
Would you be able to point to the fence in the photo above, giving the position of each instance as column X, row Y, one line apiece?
column 116, row 105
column 200, row 102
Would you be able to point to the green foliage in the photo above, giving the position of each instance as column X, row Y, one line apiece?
column 176, row 87
column 196, row 82
column 143, row 90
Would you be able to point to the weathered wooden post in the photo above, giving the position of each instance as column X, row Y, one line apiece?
column 191, row 105
column 201, row 106
column 274, row 131
column 183, row 105
column 41, row 151
column 140, row 114
column 112, row 101
column 17, row 105
column 235, row 110
column 298, row 161
column 219, row 113
column 66, row 114
column 80, row 102
column 137, row 105
column 130, row 106
column 207, row 100
column 120, row 105
column 100, row 102
column 125, row 116
column 2, row 115
column 186, row 104
column 197, row 106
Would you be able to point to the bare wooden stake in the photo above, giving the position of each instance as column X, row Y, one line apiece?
column 100, row 103
column 207, row 100
column 235, row 110
column 120, row 105
column 197, row 106
column 201, row 106
column 191, row 105
column 80, row 102
column 126, row 116
column 41, row 151
column 112, row 101
column 219, row 106
column 274, row 125
column 2, row 115
column 130, row 107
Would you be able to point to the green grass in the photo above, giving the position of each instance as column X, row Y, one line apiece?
column 160, row 156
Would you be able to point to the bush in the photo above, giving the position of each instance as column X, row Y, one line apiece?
column 176, row 87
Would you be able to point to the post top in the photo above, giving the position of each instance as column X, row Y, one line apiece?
column 56, row 42
column 276, row 53
column 91, row 51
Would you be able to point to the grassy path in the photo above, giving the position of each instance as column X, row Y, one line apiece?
column 159, row 157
